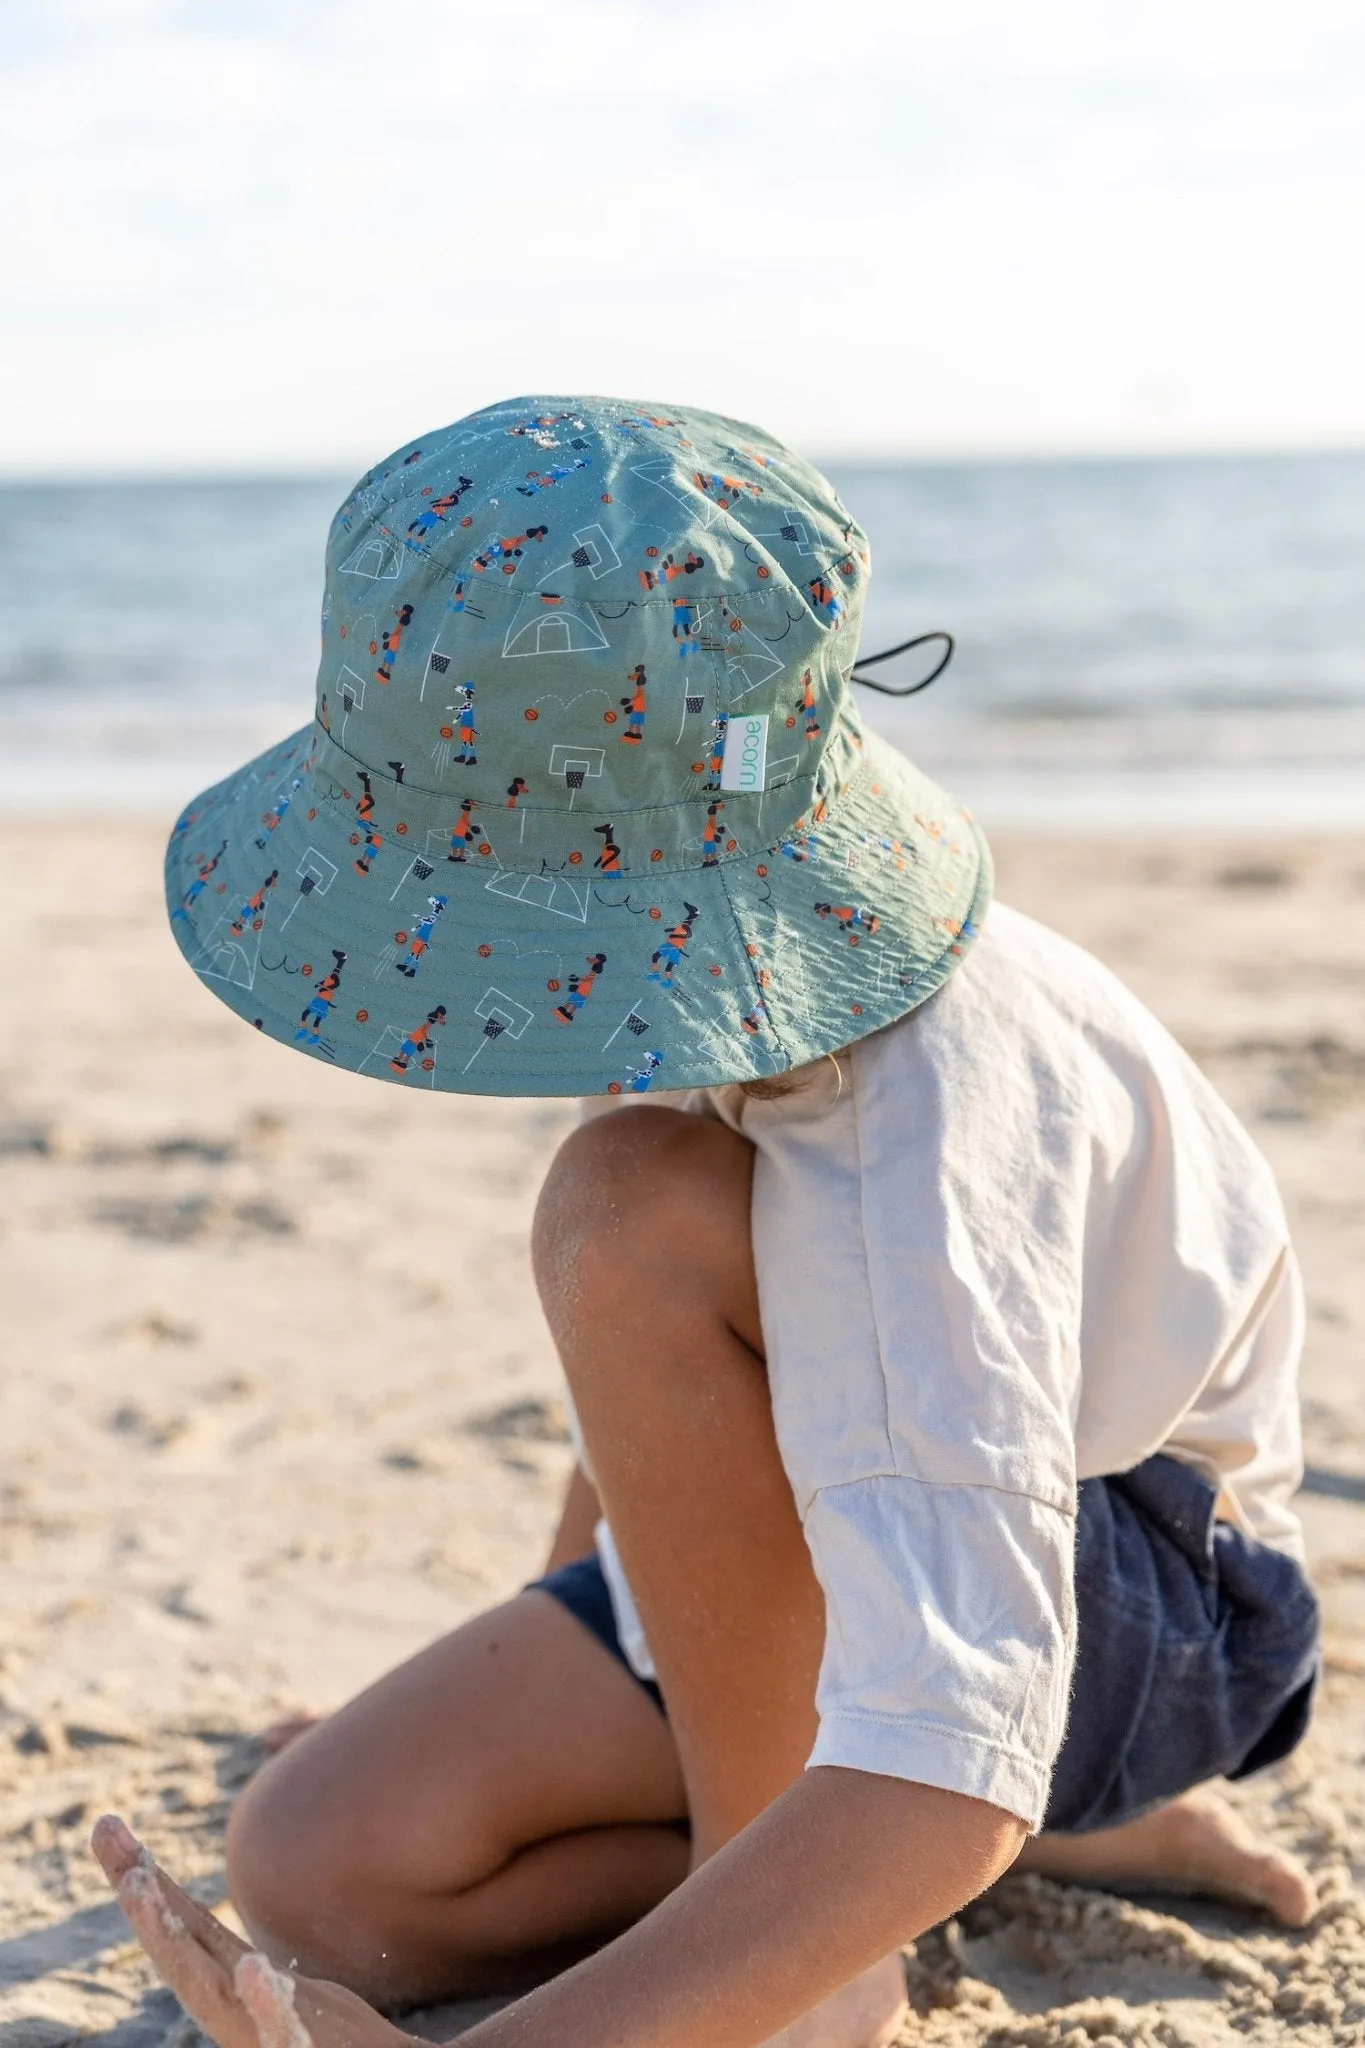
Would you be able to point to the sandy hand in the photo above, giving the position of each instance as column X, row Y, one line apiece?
column 231, row 1991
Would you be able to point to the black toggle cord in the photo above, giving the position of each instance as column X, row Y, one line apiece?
column 912, row 689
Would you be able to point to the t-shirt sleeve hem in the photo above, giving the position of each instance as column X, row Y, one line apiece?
column 924, row 1755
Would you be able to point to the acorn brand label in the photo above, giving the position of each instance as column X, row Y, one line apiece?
column 744, row 764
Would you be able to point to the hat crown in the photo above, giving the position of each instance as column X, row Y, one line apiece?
column 586, row 806
column 558, row 606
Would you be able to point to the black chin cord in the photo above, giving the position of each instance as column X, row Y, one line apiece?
column 909, row 689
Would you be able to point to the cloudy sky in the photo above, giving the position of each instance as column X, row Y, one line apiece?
column 291, row 233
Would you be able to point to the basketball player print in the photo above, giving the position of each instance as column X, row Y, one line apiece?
column 634, row 707
column 391, row 641
column 508, row 551
column 203, row 875
column 724, row 490
column 710, row 835
column 417, row 1041
column 580, row 988
column 320, row 1004
column 636, row 422
column 543, row 480
column 800, row 844
column 664, row 962
column 250, row 912
column 432, row 514
column 668, row 570
column 465, row 729
column 961, row 933
column 825, row 600
column 464, row 833
column 271, row 821
column 685, row 627
column 420, row 941
column 715, row 759
column 374, row 838
column 609, row 859
column 805, row 704
column 638, row 1079
column 850, row 919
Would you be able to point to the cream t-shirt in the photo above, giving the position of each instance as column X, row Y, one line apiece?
column 1024, row 1244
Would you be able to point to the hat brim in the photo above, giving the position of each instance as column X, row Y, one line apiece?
column 577, row 983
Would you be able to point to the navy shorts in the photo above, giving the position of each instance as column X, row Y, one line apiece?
column 1197, row 1648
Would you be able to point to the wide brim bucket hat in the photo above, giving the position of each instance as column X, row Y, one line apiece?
column 586, row 804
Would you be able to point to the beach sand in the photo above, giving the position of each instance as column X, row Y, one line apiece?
column 278, row 1407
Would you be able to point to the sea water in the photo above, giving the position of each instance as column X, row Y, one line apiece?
column 1175, row 642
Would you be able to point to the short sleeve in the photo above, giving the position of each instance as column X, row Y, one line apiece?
column 949, row 1636
column 918, row 1266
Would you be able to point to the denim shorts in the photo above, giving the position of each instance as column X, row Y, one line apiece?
column 1197, row 1648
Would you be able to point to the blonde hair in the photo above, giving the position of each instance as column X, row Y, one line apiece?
column 772, row 1087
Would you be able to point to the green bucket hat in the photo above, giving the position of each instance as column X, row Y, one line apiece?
column 586, row 803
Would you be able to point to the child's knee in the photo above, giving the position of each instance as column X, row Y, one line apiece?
column 650, row 1193
column 321, row 1883
column 278, row 1866
column 301, row 1864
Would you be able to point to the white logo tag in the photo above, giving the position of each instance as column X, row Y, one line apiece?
column 744, row 764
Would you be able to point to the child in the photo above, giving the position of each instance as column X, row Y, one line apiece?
column 933, row 1345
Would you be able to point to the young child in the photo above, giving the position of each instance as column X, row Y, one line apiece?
column 932, row 1343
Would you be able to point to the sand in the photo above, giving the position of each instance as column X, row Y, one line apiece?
column 278, row 1407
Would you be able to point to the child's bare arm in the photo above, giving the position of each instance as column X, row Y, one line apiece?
column 839, row 1871
column 577, row 1521
column 843, row 1868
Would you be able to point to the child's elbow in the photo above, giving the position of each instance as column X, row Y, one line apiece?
column 984, row 1842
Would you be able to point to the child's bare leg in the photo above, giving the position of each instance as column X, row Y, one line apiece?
column 645, row 1269
column 499, row 1805
column 1196, row 1843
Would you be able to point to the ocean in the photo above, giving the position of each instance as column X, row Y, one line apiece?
column 1169, row 641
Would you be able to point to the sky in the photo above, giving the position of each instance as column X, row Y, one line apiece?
column 287, row 235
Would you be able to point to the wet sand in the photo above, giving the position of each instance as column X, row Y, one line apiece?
column 278, row 1407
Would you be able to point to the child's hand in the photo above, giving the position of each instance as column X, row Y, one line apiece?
column 229, row 1990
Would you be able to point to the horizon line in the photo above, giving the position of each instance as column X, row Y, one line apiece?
column 952, row 457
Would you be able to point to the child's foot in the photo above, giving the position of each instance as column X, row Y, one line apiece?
column 1195, row 1844
column 231, row 1991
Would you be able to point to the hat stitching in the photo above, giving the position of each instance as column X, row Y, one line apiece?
column 929, row 977
column 835, row 800
column 626, row 810
column 981, row 893
column 762, row 992
column 931, row 973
